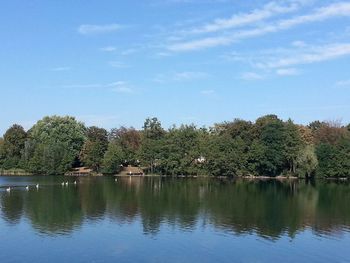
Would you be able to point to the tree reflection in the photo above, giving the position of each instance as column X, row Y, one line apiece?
column 267, row 208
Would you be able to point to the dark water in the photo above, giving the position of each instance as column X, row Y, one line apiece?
column 173, row 220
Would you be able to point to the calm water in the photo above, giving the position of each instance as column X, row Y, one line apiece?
column 173, row 220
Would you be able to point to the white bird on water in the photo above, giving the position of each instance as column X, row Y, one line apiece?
column 67, row 183
column 75, row 182
column 8, row 189
column 37, row 186
column 62, row 184
column 27, row 188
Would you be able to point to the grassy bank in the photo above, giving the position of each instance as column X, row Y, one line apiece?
column 14, row 172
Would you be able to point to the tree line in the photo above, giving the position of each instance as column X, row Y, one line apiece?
column 267, row 147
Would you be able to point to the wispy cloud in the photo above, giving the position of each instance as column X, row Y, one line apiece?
column 122, row 87
column 98, row 29
column 238, row 20
column 118, row 86
column 310, row 55
column 341, row 9
column 287, row 72
column 343, row 83
column 118, row 64
column 180, row 76
column 108, row 49
column 251, row 76
column 83, row 86
column 189, row 75
column 65, row 68
column 207, row 92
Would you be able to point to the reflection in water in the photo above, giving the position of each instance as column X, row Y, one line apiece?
column 268, row 208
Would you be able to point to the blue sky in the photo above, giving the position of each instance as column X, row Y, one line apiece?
column 112, row 63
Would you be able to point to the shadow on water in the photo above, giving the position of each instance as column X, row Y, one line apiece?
column 268, row 208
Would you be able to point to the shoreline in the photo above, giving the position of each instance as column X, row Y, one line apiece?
column 252, row 178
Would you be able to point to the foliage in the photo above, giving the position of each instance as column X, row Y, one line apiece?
column 334, row 160
column 54, row 144
column 113, row 159
column 267, row 147
column 94, row 148
column 129, row 140
column 307, row 162
column 13, row 145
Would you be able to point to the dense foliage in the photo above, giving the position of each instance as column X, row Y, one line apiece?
column 267, row 147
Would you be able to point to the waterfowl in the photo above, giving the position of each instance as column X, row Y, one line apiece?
column 27, row 187
column 75, row 182
column 8, row 189
column 62, row 184
column 66, row 183
column 116, row 179
column 37, row 186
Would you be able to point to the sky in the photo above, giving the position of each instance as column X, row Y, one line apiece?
column 111, row 63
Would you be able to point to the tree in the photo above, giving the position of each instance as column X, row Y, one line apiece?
column 226, row 156
column 151, row 143
column 271, row 154
column 292, row 145
column 113, row 159
column 2, row 152
column 14, row 140
column 94, row 148
column 129, row 140
column 152, row 129
column 307, row 162
column 334, row 160
column 329, row 132
column 54, row 144
column 180, row 150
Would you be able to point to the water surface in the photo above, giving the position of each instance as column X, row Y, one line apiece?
column 173, row 220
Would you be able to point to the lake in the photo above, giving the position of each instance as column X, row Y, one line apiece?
column 173, row 220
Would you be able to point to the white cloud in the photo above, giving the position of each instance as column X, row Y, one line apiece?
column 61, row 69
column 121, row 87
column 343, row 83
column 287, row 72
column 251, row 76
column 83, row 86
column 118, row 86
column 118, row 64
column 180, row 76
column 189, row 75
column 269, row 10
column 299, row 43
column 98, row 29
column 128, row 51
column 340, row 9
column 208, row 92
column 108, row 49
column 310, row 55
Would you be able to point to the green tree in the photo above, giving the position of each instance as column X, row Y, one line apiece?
column 113, row 159
column 151, row 144
column 94, row 148
column 181, row 149
column 54, row 145
column 14, row 140
column 270, row 160
column 2, row 152
column 129, row 139
column 307, row 162
column 226, row 156
column 292, row 145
